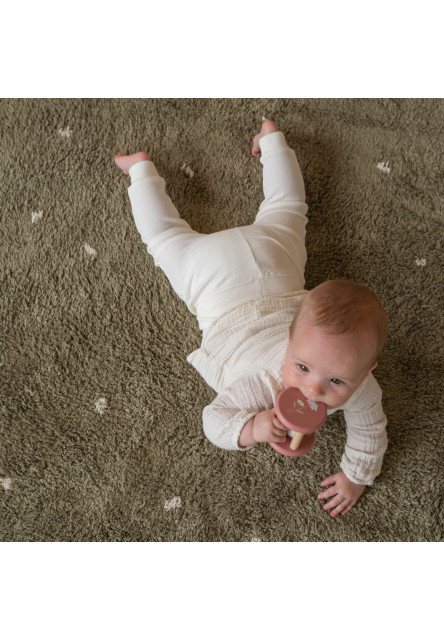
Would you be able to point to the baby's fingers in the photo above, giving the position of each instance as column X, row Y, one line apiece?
column 332, row 491
column 277, row 423
column 329, row 480
column 278, row 436
column 340, row 509
column 338, row 504
column 347, row 509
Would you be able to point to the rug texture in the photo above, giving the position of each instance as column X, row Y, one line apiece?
column 101, row 435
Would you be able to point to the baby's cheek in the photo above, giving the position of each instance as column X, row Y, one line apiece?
column 292, row 379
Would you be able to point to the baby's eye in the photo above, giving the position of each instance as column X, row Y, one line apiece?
column 336, row 381
column 302, row 367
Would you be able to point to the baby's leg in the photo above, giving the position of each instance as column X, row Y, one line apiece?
column 282, row 178
column 211, row 273
column 268, row 257
column 169, row 239
column 277, row 237
column 267, row 127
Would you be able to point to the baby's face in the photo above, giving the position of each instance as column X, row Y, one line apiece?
column 326, row 368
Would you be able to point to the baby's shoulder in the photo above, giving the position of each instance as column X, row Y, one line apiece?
column 366, row 396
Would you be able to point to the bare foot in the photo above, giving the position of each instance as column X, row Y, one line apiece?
column 125, row 162
column 267, row 127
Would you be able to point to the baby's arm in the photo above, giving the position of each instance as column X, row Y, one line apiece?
column 364, row 450
column 242, row 414
column 366, row 435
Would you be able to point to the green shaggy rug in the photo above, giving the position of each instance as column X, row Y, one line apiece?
column 100, row 433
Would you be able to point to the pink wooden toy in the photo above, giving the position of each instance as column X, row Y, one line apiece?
column 302, row 418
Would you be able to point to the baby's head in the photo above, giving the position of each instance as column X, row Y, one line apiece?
column 335, row 340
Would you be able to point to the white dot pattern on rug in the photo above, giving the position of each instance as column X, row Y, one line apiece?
column 66, row 132
column 36, row 216
column 89, row 250
column 101, row 404
column 421, row 262
column 6, row 483
column 174, row 503
column 188, row 171
column 383, row 166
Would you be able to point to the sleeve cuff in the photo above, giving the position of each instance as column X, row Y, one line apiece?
column 225, row 432
column 351, row 477
column 142, row 170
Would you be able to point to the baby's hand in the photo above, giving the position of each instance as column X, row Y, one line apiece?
column 267, row 428
column 346, row 493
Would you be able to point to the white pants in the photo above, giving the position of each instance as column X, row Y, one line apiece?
column 212, row 273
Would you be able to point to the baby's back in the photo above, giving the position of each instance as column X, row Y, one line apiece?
column 250, row 338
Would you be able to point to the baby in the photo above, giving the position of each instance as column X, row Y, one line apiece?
column 262, row 331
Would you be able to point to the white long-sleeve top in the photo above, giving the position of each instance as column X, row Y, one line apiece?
column 241, row 357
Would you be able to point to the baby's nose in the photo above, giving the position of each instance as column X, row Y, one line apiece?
column 313, row 391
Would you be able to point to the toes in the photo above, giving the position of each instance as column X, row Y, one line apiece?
column 256, row 149
column 269, row 127
column 120, row 162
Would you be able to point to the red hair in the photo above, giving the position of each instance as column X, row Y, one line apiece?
column 343, row 306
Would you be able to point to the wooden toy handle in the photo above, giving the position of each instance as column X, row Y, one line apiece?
column 296, row 440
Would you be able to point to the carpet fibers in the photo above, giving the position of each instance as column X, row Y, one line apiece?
column 100, row 424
